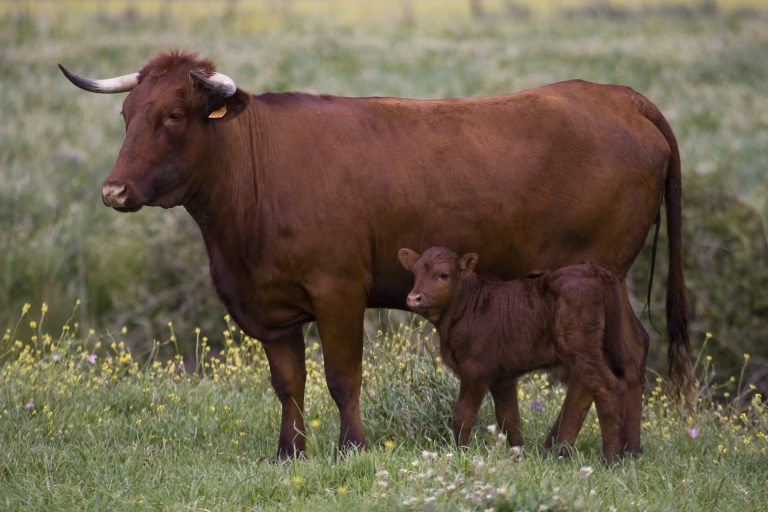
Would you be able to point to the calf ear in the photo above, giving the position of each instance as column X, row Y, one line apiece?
column 467, row 263
column 408, row 258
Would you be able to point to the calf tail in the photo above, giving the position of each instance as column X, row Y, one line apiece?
column 613, row 341
column 682, row 380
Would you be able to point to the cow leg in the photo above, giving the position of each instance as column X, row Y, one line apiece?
column 340, row 324
column 504, row 393
column 288, row 375
column 471, row 393
column 570, row 419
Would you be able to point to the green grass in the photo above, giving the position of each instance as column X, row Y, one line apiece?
column 110, row 434
column 133, row 434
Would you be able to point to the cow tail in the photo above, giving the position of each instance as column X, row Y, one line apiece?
column 613, row 341
column 682, row 381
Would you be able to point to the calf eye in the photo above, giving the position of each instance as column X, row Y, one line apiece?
column 444, row 276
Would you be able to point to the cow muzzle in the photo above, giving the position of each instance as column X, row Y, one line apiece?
column 115, row 195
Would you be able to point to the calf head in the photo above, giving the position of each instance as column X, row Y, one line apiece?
column 437, row 279
column 170, row 113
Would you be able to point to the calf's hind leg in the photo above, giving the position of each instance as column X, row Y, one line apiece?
column 504, row 393
column 580, row 325
column 569, row 421
column 637, row 344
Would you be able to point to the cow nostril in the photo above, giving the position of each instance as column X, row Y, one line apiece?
column 114, row 194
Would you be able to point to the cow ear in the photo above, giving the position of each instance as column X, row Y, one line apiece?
column 467, row 263
column 225, row 109
column 408, row 258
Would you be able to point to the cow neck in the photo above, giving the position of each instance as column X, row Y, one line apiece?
column 226, row 204
column 466, row 299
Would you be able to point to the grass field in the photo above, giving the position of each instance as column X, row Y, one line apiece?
column 88, row 425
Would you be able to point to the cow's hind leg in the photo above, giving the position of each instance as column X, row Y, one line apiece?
column 340, row 324
column 288, row 375
column 504, row 393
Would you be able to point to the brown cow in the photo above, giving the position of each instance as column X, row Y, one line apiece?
column 491, row 332
column 302, row 200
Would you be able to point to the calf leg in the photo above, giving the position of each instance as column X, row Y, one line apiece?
column 637, row 344
column 504, row 393
column 340, row 324
column 471, row 394
column 610, row 414
column 288, row 375
column 563, row 433
column 580, row 324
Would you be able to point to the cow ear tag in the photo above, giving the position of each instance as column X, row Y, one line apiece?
column 218, row 114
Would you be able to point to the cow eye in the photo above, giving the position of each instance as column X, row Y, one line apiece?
column 444, row 276
column 175, row 116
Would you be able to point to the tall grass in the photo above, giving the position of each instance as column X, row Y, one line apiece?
column 85, row 426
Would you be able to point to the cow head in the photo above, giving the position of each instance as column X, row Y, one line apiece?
column 171, row 113
column 437, row 276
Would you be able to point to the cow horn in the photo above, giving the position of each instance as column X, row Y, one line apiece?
column 109, row 85
column 219, row 83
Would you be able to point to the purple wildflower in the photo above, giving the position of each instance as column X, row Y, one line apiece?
column 536, row 406
column 30, row 405
column 92, row 359
column 693, row 432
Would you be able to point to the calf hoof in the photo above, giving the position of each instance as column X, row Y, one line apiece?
column 280, row 459
column 349, row 449
column 611, row 457
column 632, row 451
column 560, row 450
column 549, row 442
column 284, row 455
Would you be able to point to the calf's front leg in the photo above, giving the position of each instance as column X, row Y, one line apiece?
column 471, row 393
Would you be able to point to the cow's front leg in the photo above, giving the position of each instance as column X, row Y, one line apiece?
column 340, row 324
column 288, row 375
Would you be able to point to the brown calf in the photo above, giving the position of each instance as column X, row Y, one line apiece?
column 491, row 332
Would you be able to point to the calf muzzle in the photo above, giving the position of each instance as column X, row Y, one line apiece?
column 414, row 300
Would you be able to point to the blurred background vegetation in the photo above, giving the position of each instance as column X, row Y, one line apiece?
column 704, row 63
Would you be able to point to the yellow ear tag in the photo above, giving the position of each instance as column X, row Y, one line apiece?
column 218, row 114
